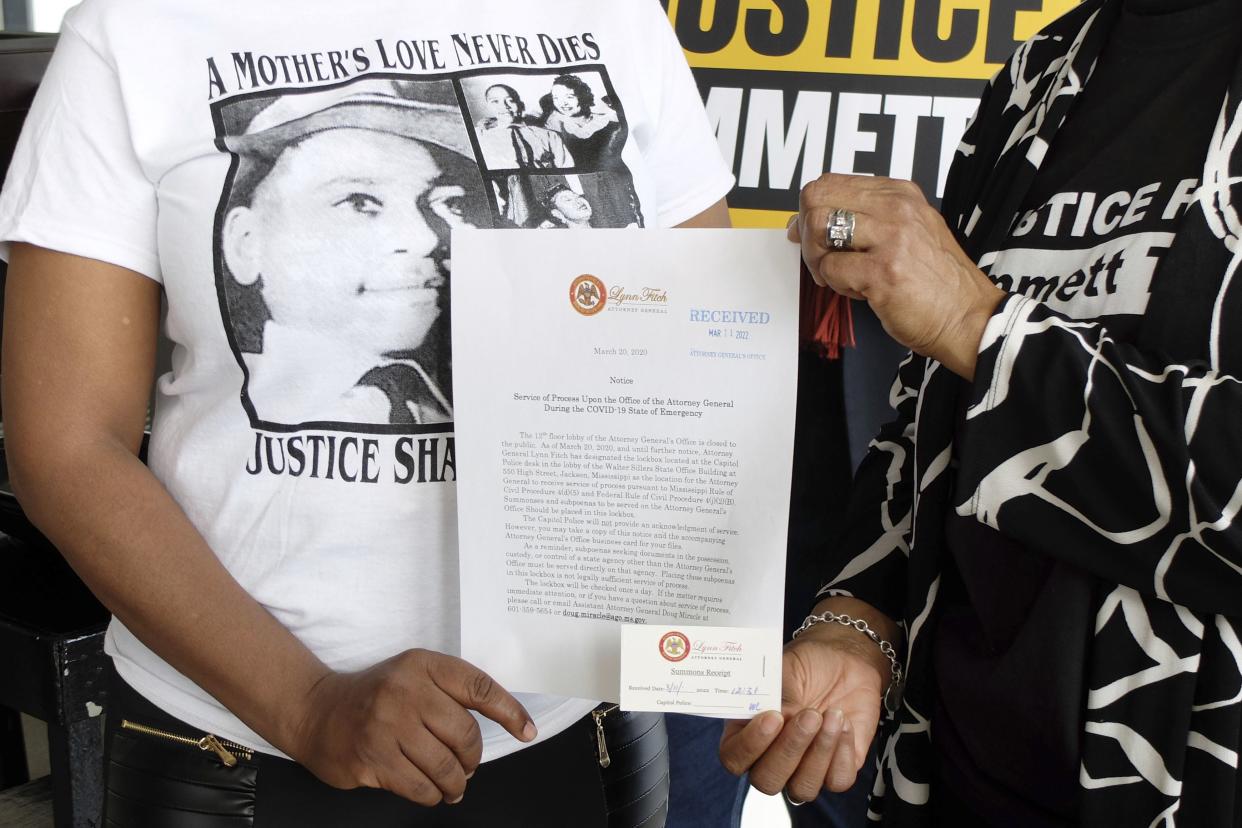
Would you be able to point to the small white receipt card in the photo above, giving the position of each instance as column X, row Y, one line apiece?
column 725, row 672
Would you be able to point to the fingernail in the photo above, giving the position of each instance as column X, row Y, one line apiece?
column 791, row 221
column 529, row 732
column 458, row 799
column 833, row 722
column 769, row 723
column 469, row 775
column 809, row 722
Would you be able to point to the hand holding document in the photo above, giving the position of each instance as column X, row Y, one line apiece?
column 624, row 420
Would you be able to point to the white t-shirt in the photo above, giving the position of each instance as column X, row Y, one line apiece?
column 289, row 172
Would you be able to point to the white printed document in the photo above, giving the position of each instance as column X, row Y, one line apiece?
column 624, row 413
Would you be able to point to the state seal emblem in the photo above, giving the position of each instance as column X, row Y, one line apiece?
column 588, row 295
column 674, row 646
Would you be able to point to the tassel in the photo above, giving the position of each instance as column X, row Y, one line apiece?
column 826, row 321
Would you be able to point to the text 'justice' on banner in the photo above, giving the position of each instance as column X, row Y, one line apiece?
column 795, row 88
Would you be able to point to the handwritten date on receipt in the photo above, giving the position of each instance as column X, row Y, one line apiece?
column 725, row 672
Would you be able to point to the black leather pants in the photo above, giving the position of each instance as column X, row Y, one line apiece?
column 154, row 781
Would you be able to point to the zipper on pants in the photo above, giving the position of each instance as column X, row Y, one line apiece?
column 604, row 759
column 226, row 751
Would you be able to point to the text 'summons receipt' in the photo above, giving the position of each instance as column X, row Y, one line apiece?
column 623, row 406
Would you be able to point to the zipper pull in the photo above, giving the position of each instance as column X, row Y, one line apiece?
column 604, row 759
column 213, row 744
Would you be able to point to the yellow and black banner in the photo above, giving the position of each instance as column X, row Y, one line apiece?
column 795, row 88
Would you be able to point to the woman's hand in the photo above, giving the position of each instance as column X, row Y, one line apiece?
column 905, row 263
column 404, row 725
column 832, row 682
column 79, row 349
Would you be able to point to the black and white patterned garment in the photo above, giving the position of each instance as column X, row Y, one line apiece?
column 1120, row 457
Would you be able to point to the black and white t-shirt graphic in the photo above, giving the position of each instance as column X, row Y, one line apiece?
column 510, row 137
column 332, row 236
column 333, row 250
column 551, row 144
column 544, row 121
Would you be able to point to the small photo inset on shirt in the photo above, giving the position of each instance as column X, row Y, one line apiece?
column 562, row 202
column 546, row 121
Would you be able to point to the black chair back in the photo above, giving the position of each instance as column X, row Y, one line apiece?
column 23, row 59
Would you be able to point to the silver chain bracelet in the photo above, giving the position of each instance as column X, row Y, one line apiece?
column 892, row 696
